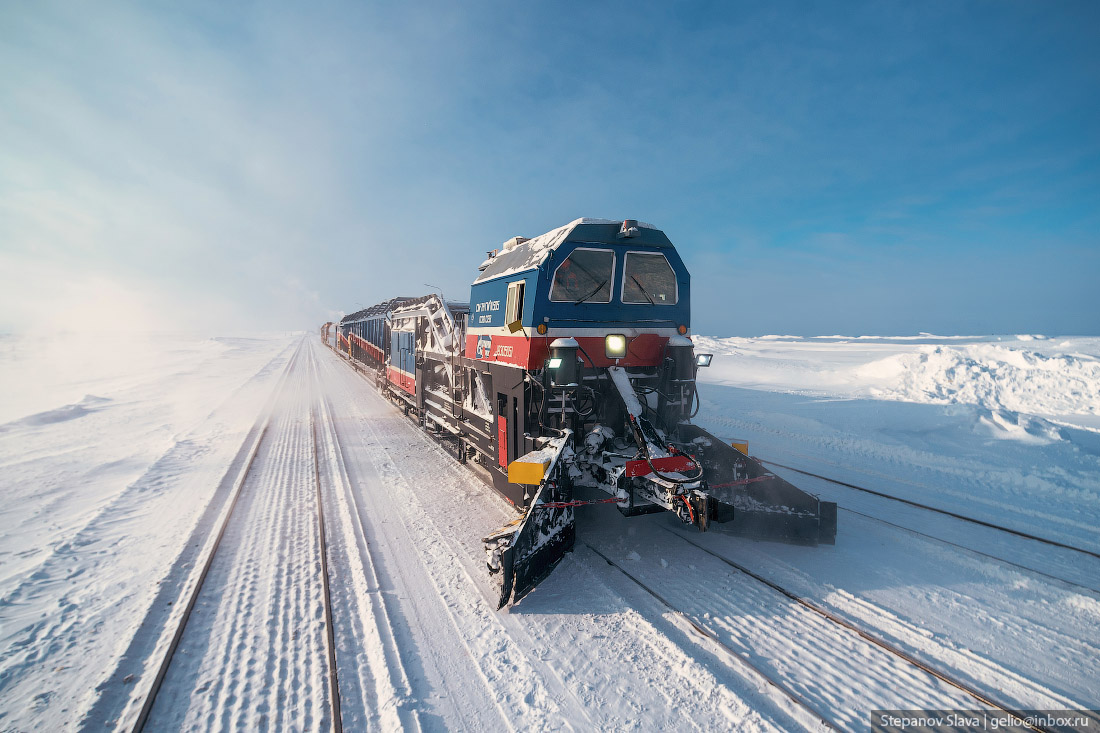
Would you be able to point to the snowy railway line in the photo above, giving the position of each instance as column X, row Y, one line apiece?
column 354, row 617
column 984, row 698
column 799, row 691
column 266, row 443
column 705, row 632
column 700, row 627
column 1079, row 564
column 955, row 515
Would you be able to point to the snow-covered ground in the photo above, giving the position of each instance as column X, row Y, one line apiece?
column 1023, row 376
column 1005, row 429
column 116, row 459
column 111, row 447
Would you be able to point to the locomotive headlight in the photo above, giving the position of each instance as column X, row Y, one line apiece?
column 703, row 359
column 615, row 346
column 554, row 363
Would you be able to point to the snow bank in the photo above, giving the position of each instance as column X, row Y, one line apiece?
column 1019, row 374
column 991, row 376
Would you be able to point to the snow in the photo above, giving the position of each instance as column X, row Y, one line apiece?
column 118, row 455
column 531, row 253
column 109, row 454
column 626, row 390
column 1057, row 379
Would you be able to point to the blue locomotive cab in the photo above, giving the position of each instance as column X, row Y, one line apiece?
column 585, row 280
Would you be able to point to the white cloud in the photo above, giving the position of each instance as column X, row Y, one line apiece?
column 140, row 170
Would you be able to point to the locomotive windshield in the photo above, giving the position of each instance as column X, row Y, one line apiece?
column 584, row 277
column 648, row 278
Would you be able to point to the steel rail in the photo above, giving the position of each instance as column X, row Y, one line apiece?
column 410, row 719
column 971, row 550
column 193, row 597
column 962, row 517
column 330, row 639
column 868, row 636
column 708, row 634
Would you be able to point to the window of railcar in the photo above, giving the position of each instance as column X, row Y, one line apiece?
column 584, row 277
column 649, row 279
column 513, row 308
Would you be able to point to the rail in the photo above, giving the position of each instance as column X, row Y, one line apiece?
column 192, row 594
column 869, row 637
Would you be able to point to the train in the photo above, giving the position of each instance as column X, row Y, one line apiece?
column 572, row 367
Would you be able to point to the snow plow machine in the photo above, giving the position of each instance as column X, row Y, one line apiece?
column 572, row 367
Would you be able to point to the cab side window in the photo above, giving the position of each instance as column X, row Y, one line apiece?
column 513, row 309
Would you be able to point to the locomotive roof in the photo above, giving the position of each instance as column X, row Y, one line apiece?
column 530, row 253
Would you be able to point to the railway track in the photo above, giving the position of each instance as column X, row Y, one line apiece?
column 1019, row 566
column 377, row 638
column 700, row 627
column 792, row 695
column 943, row 676
column 301, row 369
column 330, row 641
column 937, row 510
column 1068, row 559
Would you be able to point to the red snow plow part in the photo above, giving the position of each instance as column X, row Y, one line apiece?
column 668, row 464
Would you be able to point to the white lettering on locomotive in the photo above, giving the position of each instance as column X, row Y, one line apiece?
column 502, row 351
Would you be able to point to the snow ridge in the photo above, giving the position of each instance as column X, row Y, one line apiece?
column 1004, row 375
column 992, row 376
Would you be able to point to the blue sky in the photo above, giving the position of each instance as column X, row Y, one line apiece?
column 879, row 167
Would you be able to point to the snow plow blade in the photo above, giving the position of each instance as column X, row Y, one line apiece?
column 523, row 552
column 752, row 501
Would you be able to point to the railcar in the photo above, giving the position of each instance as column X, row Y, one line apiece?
column 572, row 366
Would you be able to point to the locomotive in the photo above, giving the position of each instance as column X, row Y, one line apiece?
column 571, row 366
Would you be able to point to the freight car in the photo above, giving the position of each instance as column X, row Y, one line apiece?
column 572, row 366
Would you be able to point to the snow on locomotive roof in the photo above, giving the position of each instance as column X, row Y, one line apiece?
column 383, row 307
column 386, row 306
column 521, row 254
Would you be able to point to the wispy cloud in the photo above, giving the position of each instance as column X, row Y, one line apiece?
column 271, row 164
